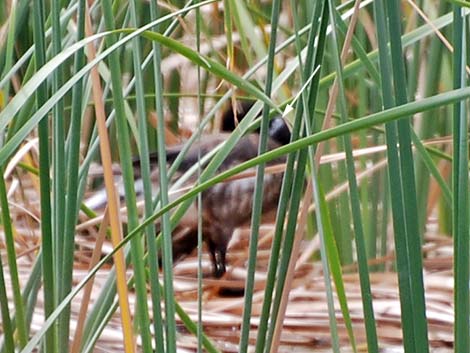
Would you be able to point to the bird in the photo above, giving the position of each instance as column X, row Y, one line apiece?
column 227, row 205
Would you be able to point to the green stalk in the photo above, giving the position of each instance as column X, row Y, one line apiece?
column 13, row 271
column 58, row 182
column 158, row 322
column 325, row 232
column 411, row 310
column 9, row 47
column 367, row 195
column 72, row 158
column 394, row 174
column 328, row 250
column 416, row 59
column 370, row 323
column 8, row 328
column 46, row 214
column 66, row 247
column 164, row 200
column 200, row 90
column 58, row 156
column 142, row 307
column 265, row 316
column 428, row 128
column 259, row 188
column 460, row 214
column 20, row 320
column 390, row 129
column 297, row 187
column 412, row 238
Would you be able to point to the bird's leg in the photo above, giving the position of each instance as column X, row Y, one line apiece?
column 217, row 252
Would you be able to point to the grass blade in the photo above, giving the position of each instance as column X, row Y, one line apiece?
column 258, row 197
column 46, row 213
column 460, row 216
column 355, row 208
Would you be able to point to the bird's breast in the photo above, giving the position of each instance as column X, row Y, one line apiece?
column 231, row 202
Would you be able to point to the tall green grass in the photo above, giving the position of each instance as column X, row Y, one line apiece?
column 356, row 75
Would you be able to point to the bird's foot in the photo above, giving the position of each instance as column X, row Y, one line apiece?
column 219, row 264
